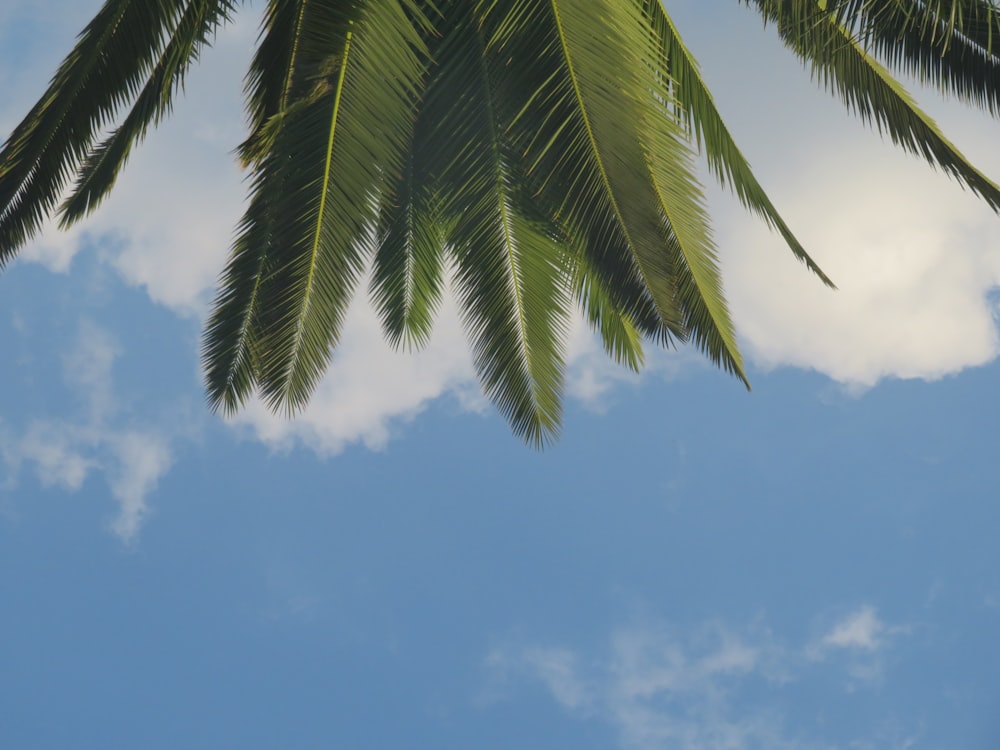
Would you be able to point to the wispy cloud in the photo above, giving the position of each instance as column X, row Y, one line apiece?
column 657, row 689
column 98, row 439
column 55, row 452
column 861, row 629
column 555, row 668
column 141, row 459
column 711, row 687
column 650, row 661
column 859, row 641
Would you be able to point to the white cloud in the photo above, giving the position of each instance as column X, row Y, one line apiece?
column 58, row 454
column 557, row 669
column 858, row 642
column 100, row 439
column 861, row 629
column 169, row 223
column 141, row 460
column 61, row 451
column 915, row 260
column 650, row 661
column 54, row 249
column 914, row 255
column 88, row 367
column 667, row 694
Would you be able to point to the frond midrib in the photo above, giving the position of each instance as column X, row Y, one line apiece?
column 315, row 245
column 505, row 221
column 578, row 93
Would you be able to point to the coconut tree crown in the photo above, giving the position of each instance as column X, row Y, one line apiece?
column 540, row 153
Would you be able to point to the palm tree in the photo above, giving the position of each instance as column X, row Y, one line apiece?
column 540, row 152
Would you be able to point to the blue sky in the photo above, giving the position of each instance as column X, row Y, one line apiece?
column 811, row 565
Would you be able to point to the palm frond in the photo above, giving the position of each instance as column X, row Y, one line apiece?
column 232, row 336
column 408, row 268
column 600, row 74
column 680, row 198
column 603, row 148
column 620, row 336
column 268, row 84
column 102, row 74
column 97, row 174
column 545, row 119
column 543, row 150
column 510, row 273
column 951, row 45
column 585, row 163
column 315, row 197
column 698, row 112
column 841, row 63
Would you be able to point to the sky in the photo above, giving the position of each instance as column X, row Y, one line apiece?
column 810, row 565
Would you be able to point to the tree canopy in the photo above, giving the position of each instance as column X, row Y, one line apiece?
column 540, row 154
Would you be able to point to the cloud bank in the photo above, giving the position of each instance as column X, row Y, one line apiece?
column 915, row 260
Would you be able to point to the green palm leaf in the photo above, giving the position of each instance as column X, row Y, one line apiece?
column 600, row 143
column 322, row 178
column 540, row 150
column 99, row 170
column 619, row 333
column 568, row 166
column 687, row 233
column 269, row 80
column 952, row 44
column 698, row 112
column 868, row 89
column 104, row 72
column 408, row 267
column 232, row 334
column 510, row 273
